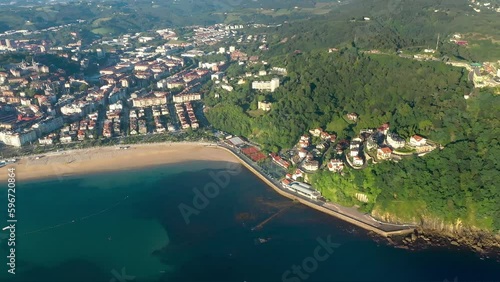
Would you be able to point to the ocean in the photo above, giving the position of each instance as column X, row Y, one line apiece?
column 201, row 221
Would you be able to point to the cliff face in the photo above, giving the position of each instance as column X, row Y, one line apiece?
column 434, row 231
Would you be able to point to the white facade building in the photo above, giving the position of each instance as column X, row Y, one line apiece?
column 266, row 85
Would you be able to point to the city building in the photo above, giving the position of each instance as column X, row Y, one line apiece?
column 149, row 101
column 303, row 189
column 186, row 97
column 18, row 139
column 48, row 125
column 266, row 85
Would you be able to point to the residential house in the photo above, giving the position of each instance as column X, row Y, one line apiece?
column 311, row 165
column 322, row 146
column 417, row 141
column 264, row 105
column 279, row 161
column 66, row 139
column 316, row 132
column 304, row 141
column 357, row 161
column 217, row 76
column 48, row 140
column 352, row 116
column 384, row 128
column 227, row 87
column 335, row 165
column 353, row 153
column 326, row 136
column 302, row 153
column 395, row 141
column 298, row 173
column 384, row 153
column 355, row 143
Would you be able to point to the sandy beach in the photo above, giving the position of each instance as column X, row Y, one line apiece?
column 102, row 159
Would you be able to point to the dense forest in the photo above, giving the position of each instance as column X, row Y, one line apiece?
column 416, row 97
column 405, row 25
column 425, row 98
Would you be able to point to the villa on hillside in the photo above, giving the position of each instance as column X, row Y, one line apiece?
column 352, row 116
column 304, row 141
column 357, row 161
column 335, row 165
column 311, row 165
column 384, row 153
column 279, row 161
column 395, row 141
column 417, row 141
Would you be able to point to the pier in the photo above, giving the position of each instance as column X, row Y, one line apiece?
column 347, row 214
column 260, row 225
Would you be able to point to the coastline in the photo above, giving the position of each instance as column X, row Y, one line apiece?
column 323, row 209
column 107, row 159
column 112, row 158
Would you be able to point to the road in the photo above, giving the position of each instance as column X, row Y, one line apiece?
column 351, row 213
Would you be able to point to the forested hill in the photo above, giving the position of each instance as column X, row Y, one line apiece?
column 406, row 25
column 118, row 16
column 416, row 97
column 427, row 98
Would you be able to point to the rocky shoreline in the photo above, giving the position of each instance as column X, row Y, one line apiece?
column 432, row 232
column 486, row 245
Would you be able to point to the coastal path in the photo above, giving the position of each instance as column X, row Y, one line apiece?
column 348, row 214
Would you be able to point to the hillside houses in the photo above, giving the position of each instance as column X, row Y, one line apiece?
column 417, row 141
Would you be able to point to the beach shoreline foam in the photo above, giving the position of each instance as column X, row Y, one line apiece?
column 112, row 158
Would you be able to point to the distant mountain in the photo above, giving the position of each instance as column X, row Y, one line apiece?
column 398, row 25
column 122, row 16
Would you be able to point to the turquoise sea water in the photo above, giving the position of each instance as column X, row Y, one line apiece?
column 127, row 226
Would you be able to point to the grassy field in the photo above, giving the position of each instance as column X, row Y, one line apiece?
column 103, row 31
column 255, row 113
column 99, row 21
column 483, row 50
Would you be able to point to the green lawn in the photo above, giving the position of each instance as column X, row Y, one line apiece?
column 255, row 113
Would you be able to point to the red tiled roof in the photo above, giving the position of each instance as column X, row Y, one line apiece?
column 386, row 150
column 417, row 138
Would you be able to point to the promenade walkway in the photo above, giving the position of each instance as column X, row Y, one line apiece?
column 351, row 215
